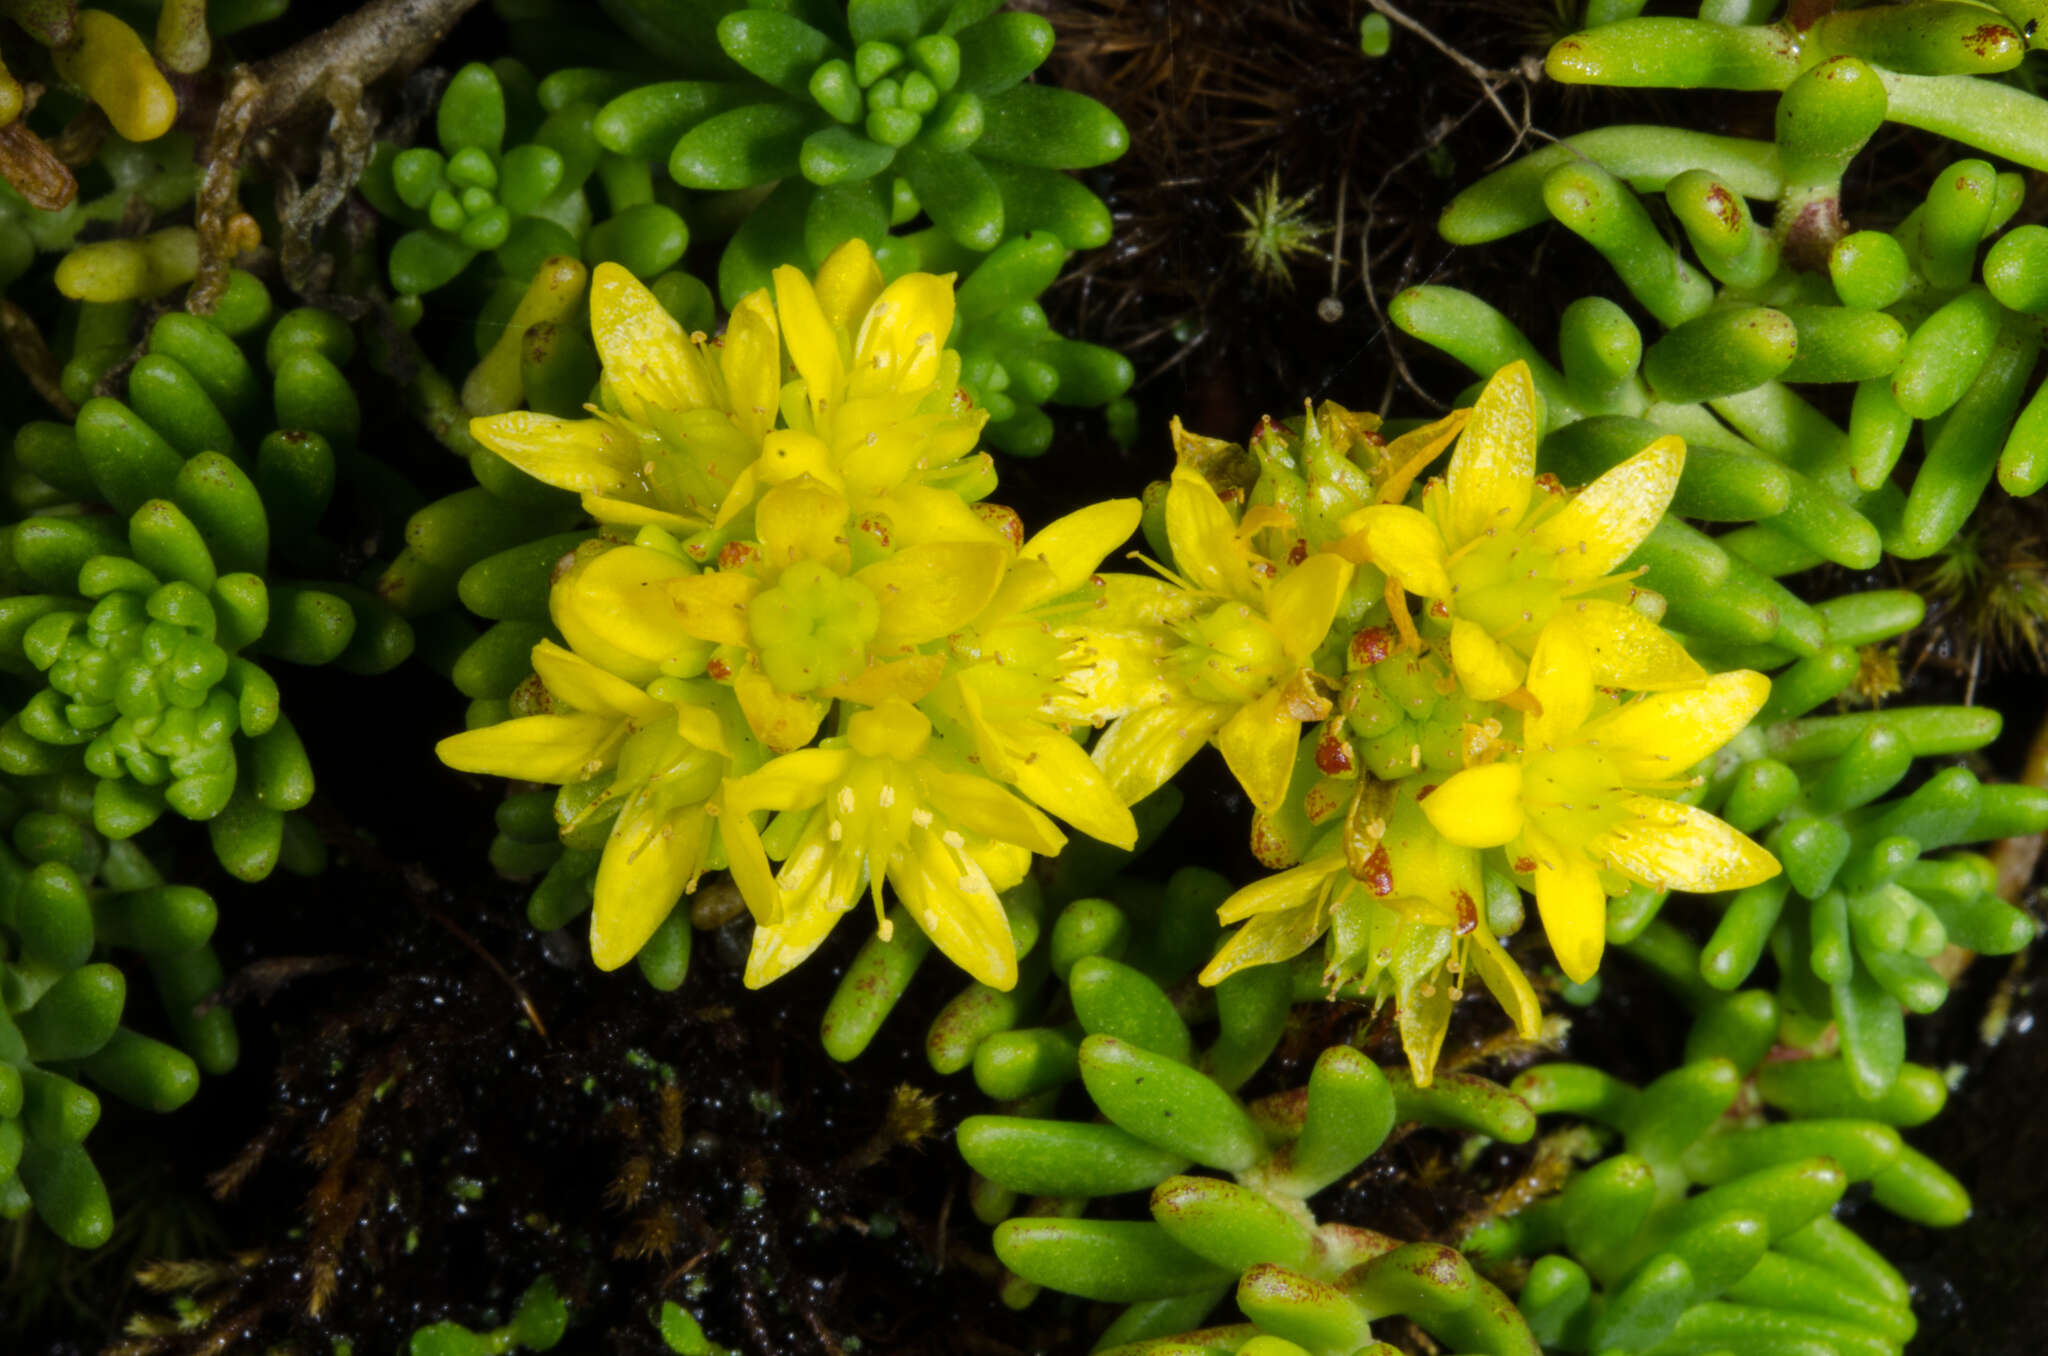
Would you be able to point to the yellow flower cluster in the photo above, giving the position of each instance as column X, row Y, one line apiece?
column 803, row 638
column 805, row 649
column 1535, row 728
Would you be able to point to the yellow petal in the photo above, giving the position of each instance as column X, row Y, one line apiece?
column 782, row 946
column 752, row 363
column 813, row 347
column 981, row 805
column 1663, row 735
column 583, row 685
column 1204, row 539
column 1606, row 521
column 1682, row 847
column 1268, row 939
column 1561, row 681
column 909, row 680
column 713, row 607
column 702, row 727
column 903, row 336
column 653, row 856
column 1074, row 547
column 751, row 873
column 1414, row 450
column 745, row 487
column 788, row 454
column 1403, row 544
column 1304, row 603
column 1505, row 981
column 583, row 455
column 1295, row 888
column 934, row 589
column 919, row 515
column 629, row 513
column 848, row 283
column 647, row 359
column 1057, row 774
column 557, row 749
column 1627, row 649
column 1493, row 470
column 951, row 898
column 1486, row 669
column 795, row 781
column 1259, row 743
column 613, row 609
column 1140, row 752
column 802, row 521
column 1573, row 908
column 1480, row 807
column 781, row 720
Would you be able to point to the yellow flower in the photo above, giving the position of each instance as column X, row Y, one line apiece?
column 666, row 756
column 798, row 626
column 1583, row 810
column 686, row 433
column 1496, row 552
column 876, row 406
column 888, row 803
column 1014, row 692
column 1242, row 674
column 1407, row 912
column 679, row 419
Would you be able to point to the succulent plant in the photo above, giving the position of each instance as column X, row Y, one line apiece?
column 69, row 897
column 865, row 117
column 474, row 195
column 1865, row 905
column 1318, row 1285
column 1712, row 1225
column 141, row 622
column 1928, row 340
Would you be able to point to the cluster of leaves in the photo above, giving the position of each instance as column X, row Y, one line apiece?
column 139, row 565
column 69, row 897
column 1168, row 1112
column 965, row 145
column 1710, row 1223
column 1933, row 336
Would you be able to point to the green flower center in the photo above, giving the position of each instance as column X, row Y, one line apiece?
column 812, row 629
column 1405, row 716
column 1231, row 655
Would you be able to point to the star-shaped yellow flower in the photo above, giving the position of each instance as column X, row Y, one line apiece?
column 667, row 758
column 679, row 418
column 876, row 396
column 799, row 626
column 1013, row 692
column 1582, row 810
column 1242, row 674
column 1496, row 552
column 1407, row 909
column 889, row 803
column 686, row 434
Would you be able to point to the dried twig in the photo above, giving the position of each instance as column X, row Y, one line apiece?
column 333, row 65
column 1490, row 81
column 25, row 344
